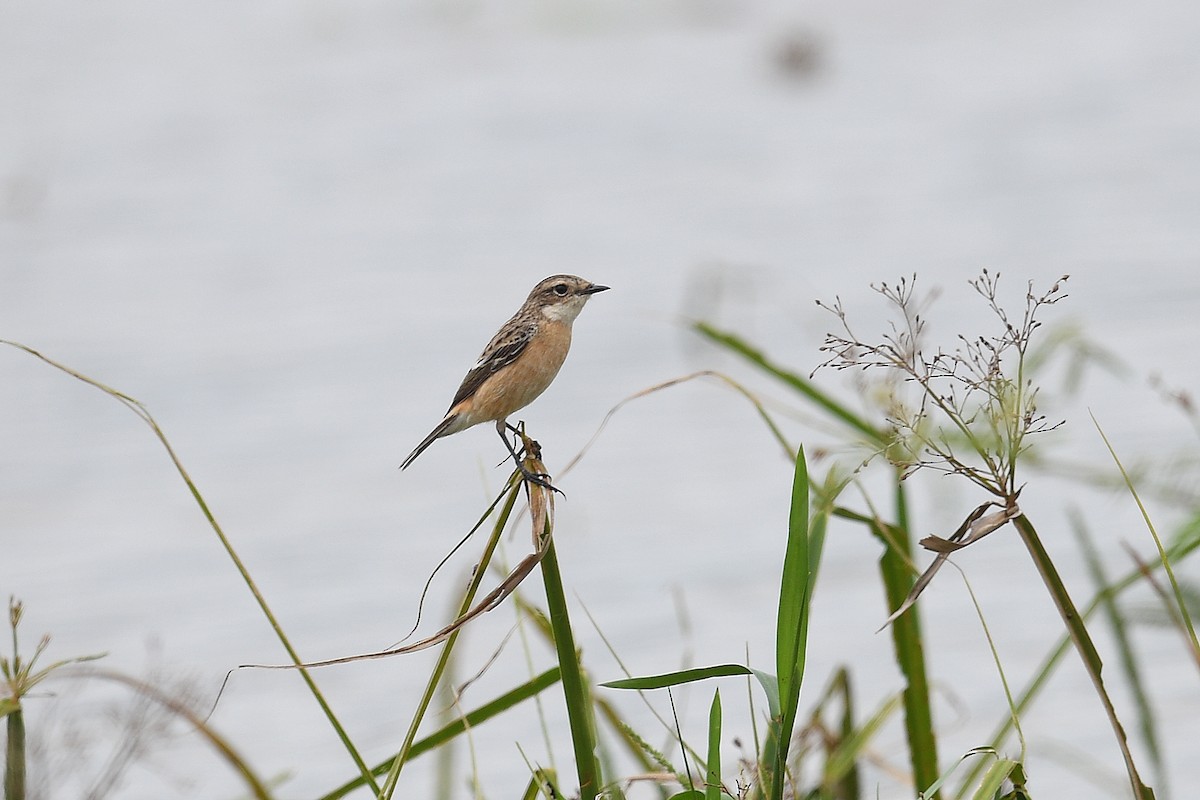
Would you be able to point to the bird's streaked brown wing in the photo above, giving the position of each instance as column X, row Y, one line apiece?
column 505, row 348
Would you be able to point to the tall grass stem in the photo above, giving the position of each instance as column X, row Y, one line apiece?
column 575, row 687
column 435, row 677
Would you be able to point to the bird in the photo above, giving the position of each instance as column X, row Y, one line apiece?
column 518, row 364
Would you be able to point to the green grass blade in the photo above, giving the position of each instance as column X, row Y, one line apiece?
column 841, row 762
column 1124, row 647
column 575, row 689
column 993, row 779
column 635, row 746
column 14, row 762
column 1016, row 775
column 144, row 414
column 180, row 708
column 481, row 569
column 791, row 632
column 799, row 383
column 1180, row 602
column 989, row 756
column 1185, row 545
column 483, row 713
column 792, row 619
column 848, row 787
column 471, row 720
column 1083, row 644
column 604, row 711
column 542, row 784
column 907, row 643
column 677, row 678
column 712, row 781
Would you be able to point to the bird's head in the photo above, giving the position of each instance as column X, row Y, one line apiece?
column 562, row 297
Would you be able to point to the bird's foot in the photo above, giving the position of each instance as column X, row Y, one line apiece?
column 539, row 479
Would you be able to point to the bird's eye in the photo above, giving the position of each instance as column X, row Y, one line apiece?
column 560, row 289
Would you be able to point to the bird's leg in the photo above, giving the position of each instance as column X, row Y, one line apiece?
column 501, row 427
column 539, row 478
column 516, row 431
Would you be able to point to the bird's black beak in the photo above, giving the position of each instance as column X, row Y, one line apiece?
column 595, row 287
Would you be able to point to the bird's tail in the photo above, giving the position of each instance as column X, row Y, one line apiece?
column 441, row 430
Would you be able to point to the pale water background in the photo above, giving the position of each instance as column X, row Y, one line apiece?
column 289, row 228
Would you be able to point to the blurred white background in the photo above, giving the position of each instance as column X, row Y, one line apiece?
column 289, row 228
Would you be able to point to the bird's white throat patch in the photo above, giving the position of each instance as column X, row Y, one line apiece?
column 566, row 311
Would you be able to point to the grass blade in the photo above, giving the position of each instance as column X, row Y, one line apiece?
column 841, row 762
column 682, row 676
column 14, row 760
column 791, row 632
column 848, row 785
column 542, row 784
column 712, row 780
column 1162, row 553
column 799, row 383
column 794, row 595
column 468, row 721
column 575, row 690
column 405, row 752
column 253, row 784
column 898, row 578
column 993, row 779
column 1178, row 550
column 140, row 410
column 1083, row 644
column 1124, row 646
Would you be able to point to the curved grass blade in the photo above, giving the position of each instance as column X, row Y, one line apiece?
column 446, row 733
column 435, row 677
column 1180, row 601
column 1182, row 547
column 253, row 783
column 144, row 414
column 1123, row 644
column 908, row 643
column 681, row 677
column 841, row 762
column 542, row 784
column 994, row 778
column 798, row 382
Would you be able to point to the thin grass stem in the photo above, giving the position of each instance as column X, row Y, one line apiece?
column 1083, row 644
column 141, row 411
column 798, row 382
column 14, row 763
column 1180, row 602
column 575, row 687
column 405, row 752
column 896, row 572
column 1054, row 657
column 1124, row 647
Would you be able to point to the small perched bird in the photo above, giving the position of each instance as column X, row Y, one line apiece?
column 518, row 363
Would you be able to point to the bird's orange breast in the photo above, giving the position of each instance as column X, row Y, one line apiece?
column 518, row 384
